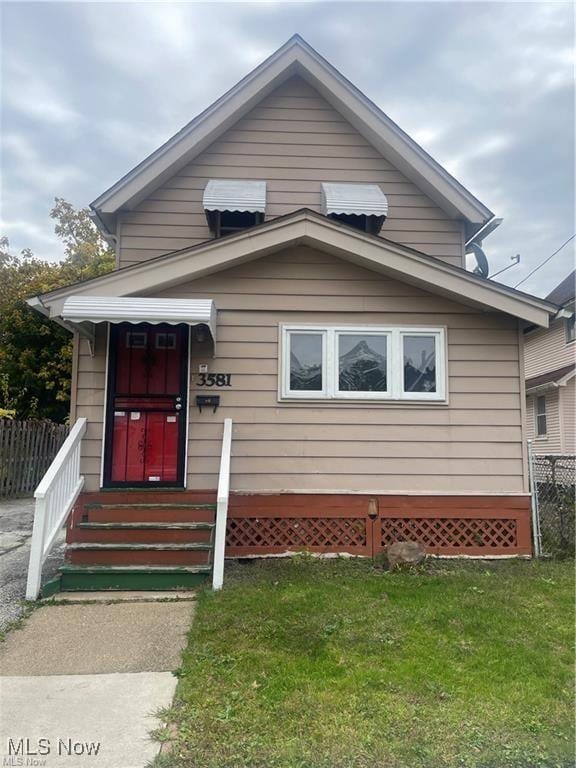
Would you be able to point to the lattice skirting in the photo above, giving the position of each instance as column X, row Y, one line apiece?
column 365, row 525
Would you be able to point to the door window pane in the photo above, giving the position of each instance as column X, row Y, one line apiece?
column 306, row 355
column 362, row 363
column 136, row 339
column 419, row 364
column 165, row 341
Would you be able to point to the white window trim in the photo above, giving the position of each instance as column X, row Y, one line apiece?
column 540, row 435
column 395, row 365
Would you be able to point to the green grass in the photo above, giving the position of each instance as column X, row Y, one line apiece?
column 310, row 663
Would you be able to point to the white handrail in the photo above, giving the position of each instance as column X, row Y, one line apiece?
column 222, row 507
column 55, row 497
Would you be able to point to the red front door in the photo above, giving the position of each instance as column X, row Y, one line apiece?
column 147, row 384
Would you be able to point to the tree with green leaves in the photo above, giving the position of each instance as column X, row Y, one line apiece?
column 36, row 353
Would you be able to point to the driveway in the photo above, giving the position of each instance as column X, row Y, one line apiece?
column 16, row 519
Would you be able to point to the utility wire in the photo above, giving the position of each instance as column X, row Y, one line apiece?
column 545, row 261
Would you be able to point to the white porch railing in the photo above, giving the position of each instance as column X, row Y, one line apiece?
column 222, row 507
column 55, row 497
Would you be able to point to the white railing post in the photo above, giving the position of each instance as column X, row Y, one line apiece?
column 55, row 497
column 222, row 507
column 536, row 535
column 36, row 547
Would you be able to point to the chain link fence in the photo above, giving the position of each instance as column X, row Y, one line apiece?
column 554, row 479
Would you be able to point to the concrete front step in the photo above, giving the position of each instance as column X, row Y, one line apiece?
column 88, row 578
column 150, row 533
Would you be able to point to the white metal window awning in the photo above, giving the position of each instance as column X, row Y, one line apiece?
column 354, row 199
column 235, row 195
column 81, row 310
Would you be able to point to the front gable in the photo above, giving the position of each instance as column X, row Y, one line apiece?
column 321, row 92
column 294, row 140
column 308, row 228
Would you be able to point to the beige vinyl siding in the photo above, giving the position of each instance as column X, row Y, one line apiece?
column 551, row 442
column 294, row 140
column 473, row 444
column 90, row 397
column 546, row 349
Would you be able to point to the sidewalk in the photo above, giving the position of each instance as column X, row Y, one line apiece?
column 81, row 683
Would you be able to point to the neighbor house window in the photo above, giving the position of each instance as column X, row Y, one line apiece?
column 363, row 363
column 570, row 328
column 541, row 428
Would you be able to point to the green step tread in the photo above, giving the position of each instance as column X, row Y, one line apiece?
column 157, row 569
column 108, row 546
column 147, row 526
column 97, row 578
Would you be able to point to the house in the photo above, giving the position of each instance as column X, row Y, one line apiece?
column 550, row 368
column 293, row 262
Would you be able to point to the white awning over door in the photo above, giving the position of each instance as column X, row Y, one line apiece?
column 124, row 309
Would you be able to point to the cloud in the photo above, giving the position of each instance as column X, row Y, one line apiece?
column 30, row 168
column 90, row 89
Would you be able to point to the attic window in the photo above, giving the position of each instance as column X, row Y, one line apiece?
column 362, row 206
column 233, row 205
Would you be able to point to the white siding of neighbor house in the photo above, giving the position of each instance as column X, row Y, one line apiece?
column 551, row 442
column 568, row 396
column 546, row 349
column 293, row 140
column 473, row 444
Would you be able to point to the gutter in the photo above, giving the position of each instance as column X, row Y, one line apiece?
column 545, row 387
column 563, row 312
column 110, row 237
column 483, row 233
column 36, row 303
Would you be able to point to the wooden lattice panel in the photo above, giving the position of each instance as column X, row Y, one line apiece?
column 451, row 533
column 296, row 533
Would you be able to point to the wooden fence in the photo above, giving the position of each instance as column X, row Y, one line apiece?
column 27, row 449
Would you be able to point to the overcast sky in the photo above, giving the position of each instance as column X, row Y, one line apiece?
column 89, row 89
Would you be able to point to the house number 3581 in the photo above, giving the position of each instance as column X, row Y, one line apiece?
column 214, row 380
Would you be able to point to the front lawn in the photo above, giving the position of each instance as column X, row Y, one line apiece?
column 309, row 663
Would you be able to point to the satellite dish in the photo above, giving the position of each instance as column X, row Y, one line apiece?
column 482, row 268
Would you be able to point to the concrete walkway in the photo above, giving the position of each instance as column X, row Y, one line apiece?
column 16, row 519
column 88, row 679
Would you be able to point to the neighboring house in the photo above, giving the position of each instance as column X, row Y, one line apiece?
column 293, row 261
column 550, row 365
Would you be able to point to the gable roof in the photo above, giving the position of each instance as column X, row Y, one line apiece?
column 565, row 292
column 295, row 57
column 307, row 228
column 551, row 379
